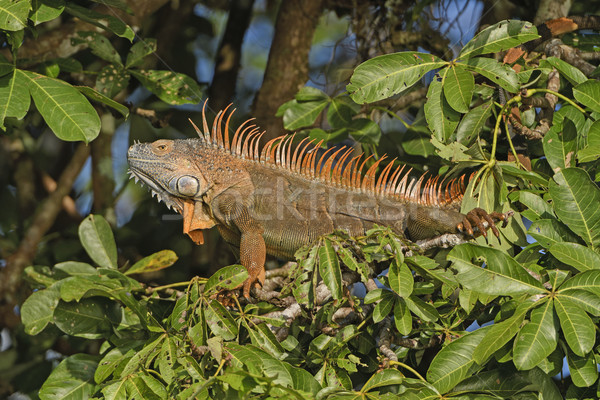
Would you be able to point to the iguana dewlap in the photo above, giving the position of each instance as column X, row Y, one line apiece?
column 279, row 198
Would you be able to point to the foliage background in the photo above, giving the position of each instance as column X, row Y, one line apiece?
column 85, row 312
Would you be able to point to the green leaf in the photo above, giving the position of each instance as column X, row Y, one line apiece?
column 302, row 114
column 458, row 87
column 575, row 198
column 220, row 321
column 417, row 143
column 89, row 318
column 111, row 80
column 100, row 98
column 104, row 21
column 169, row 86
column 441, row 118
column 537, row 339
column 365, row 131
column 13, row 14
column 384, row 307
column 400, row 279
column 98, row 241
column 99, row 45
column 501, row 275
column 227, row 278
column 115, row 391
column 473, row 122
column 500, row 333
column 111, row 360
column 550, row 231
column 496, row 72
column 38, row 310
column 72, row 379
column 386, row 377
column 167, row 360
column 263, row 338
column 578, row 256
column 45, row 10
column 140, row 50
column 588, row 94
column 591, row 151
column 586, row 300
column 572, row 74
column 329, row 269
column 589, row 280
column 538, row 208
column 66, row 111
column 341, row 111
column 402, row 317
column 384, row 76
column 560, row 145
column 420, row 308
column 500, row 36
column 14, row 97
column 455, row 361
column 584, row 370
column 308, row 93
column 510, row 169
column 577, row 326
column 154, row 262
column 75, row 268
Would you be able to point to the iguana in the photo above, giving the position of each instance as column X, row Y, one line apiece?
column 276, row 199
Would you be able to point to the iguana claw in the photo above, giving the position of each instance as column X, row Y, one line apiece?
column 477, row 216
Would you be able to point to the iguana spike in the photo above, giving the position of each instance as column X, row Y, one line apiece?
column 392, row 186
column 348, row 171
column 226, row 134
column 319, row 169
column 326, row 172
column 304, row 157
column 313, row 159
column 382, row 181
column 415, row 194
column 239, row 135
column 265, row 154
column 296, row 166
column 256, row 145
column 356, row 178
column 245, row 151
column 368, row 182
column 198, row 131
column 215, row 126
column 401, row 189
column 204, row 123
column 241, row 139
column 219, row 122
column 276, row 154
column 337, row 171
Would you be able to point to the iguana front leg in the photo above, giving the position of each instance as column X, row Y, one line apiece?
column 253, row 249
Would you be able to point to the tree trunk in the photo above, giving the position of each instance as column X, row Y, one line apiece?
column 222, row 89
column 287, row 67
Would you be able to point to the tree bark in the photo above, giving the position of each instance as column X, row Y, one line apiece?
column 287, row 67
column 227, row 65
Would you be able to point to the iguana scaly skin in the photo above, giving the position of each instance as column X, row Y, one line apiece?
column 281, row 198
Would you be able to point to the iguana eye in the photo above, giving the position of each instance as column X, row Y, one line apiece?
column 188, row 185
column 162, row 147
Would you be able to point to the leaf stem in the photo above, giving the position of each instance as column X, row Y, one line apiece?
column 531, row 92
column 408, row 367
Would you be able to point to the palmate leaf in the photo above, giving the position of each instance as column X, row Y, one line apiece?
column 576, row 255
column 550, row 231
column 560, row 145
column 453, row 363
column 584, row 370
column 537, row 339
column 575, row 200
column 500, row 36
column 473, row 122
column 576, row 325
column 441, row 118
column 458, row 87
column 502, row 275
column 496, row 72
column 66, row 111
column 384, row 76
column 588, row 94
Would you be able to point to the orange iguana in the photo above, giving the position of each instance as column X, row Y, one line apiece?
column 280, row 198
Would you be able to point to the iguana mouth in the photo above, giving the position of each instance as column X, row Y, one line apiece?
column 156, row 189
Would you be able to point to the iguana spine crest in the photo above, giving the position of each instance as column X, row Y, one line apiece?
column 331, row 166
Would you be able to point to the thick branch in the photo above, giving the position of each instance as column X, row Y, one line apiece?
column 287, row 67
column 10, row 276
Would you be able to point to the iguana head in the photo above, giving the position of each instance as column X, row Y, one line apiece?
column 172, row 170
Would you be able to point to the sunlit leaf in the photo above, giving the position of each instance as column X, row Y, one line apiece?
column 98, row 241
column 72, row 379
column 500, row 36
